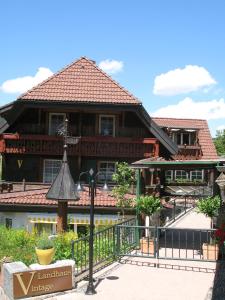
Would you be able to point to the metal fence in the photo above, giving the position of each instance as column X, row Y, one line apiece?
column 175, row 208
column 104, row 249
column 168, row 243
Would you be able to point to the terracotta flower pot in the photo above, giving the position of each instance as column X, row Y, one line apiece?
column 210, row 252
column 45, row 256
column 147, row 245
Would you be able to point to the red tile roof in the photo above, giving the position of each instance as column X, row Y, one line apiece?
column 81, row 81
column 38, row 197
column 205, row 139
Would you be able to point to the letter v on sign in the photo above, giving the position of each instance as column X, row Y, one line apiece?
column 19, row 277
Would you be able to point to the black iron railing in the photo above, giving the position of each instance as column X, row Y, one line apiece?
column 169, row 243
column 105, row 250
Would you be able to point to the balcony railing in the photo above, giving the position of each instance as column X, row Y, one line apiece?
column 189, row 152
column 87, row 146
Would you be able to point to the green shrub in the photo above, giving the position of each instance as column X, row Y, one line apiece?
column 44, row 242
column 17, row 244
column 63, row 245
column 148, row 205
column 209, row 206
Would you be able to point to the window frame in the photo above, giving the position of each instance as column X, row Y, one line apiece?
column 44, row 163
column 50, row 118
column 175, row 137
column 114, row 124
column 99, row 170
column 171, row 175
column 175, row 175
column 191, row 172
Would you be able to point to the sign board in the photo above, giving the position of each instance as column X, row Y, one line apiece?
column 39, row 282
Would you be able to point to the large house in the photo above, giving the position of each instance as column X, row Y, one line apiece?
column 111, row 124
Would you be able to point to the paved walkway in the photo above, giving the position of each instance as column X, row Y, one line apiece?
column 137, row 280
column 192, row 220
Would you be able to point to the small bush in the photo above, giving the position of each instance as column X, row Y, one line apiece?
column 19, row 245
column 63, row 245
column 44, row 242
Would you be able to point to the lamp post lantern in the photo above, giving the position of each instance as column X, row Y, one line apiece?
column 92, row 192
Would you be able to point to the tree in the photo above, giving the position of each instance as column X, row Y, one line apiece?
column 219, row 142
column 123, row 178
column 209, row 207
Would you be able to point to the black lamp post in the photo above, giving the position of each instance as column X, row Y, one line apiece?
column 92, row 192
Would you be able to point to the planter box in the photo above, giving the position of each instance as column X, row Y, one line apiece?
column 210, row 252
column 147, row 245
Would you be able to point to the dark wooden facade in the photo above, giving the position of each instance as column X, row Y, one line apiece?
column 27, row 142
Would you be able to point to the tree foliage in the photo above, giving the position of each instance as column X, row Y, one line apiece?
column 148, row 205
column 219, row 142
column 208, row 206
column 123, row 178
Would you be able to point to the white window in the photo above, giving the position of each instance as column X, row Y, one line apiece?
column 181, row 174
column 107, row 125
column 107, row 168
column 197, row 175
column 50, row 170
column 169, row 175
column 56, row 122
column 184, row 138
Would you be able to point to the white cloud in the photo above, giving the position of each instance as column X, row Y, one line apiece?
column 22, row 84
column 111, row 66
column 180, row 81
column 221, row 127
column 188, row 108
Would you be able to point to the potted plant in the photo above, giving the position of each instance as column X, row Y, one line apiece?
column 45, row 250
column 209, row 207
column 147, row 206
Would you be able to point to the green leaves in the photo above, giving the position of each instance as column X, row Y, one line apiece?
column 219, row 142
column 148, row 205
column 123, row 177
column 44, row 242
column 208, row 206
column 62, row 244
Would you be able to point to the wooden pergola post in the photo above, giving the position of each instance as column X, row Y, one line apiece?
column 62, row 216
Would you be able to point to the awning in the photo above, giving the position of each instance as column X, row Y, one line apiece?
column 79, row 220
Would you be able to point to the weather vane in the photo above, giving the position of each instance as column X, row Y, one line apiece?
column 63, row 131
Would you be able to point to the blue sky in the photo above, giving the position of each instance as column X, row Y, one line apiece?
column 169, row 53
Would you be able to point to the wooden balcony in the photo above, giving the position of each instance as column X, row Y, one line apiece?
column 188, row 152
column 99, row 146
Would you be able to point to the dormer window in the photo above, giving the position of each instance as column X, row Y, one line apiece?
column 186, row 137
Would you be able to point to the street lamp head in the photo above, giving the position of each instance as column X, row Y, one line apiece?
column 80, row 187
column 105, row 187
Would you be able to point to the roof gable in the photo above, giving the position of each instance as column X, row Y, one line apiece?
column 81, row 81
column 204, row 136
